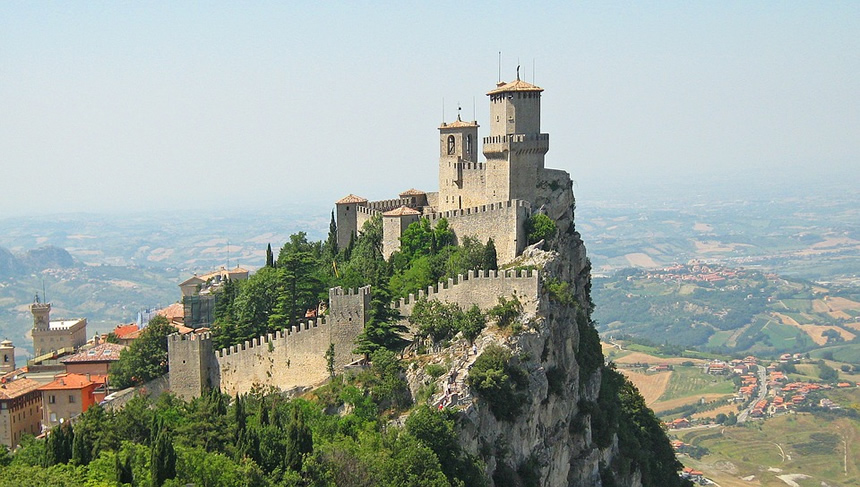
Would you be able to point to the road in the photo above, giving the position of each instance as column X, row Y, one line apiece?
column 762, row 393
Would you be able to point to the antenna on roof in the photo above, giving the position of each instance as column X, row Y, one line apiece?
column 44, row 294
column 533, row 70
column 459, row 108
column 518, row 69
column 443, row 109
column 500, row 66
column 474, row 110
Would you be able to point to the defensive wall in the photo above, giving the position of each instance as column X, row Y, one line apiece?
column 288, row 358
column 481, row 288
column 295, row 357
column 504, row 222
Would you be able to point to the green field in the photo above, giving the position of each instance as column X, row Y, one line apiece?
column 843, row 353
column 691, row 381
column 792, row 444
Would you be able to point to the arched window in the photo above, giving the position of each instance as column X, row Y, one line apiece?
column 450, row 145
column 469, row 144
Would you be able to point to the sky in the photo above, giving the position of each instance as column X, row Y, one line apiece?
column 142, row 106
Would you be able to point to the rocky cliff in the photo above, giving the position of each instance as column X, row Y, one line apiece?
column 551, row 440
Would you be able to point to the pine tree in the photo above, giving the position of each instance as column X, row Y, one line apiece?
column 383, row 329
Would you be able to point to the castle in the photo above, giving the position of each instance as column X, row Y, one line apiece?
column 52, row 335
column 486, row 200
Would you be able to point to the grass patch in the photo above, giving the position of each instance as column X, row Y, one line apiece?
column 691, row 381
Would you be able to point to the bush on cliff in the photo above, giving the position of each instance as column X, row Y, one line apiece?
column 495, row 379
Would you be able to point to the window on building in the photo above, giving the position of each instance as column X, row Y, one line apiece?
column 451, row 145
column 469, row 144
column 53, row 417
column 52, row 399
column 71, row 398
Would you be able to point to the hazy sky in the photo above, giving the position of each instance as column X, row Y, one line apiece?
column 107, row 106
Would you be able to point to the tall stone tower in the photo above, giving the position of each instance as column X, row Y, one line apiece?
column 515, row 148
column 458, row 154
column 193, row 367
column 7, row 357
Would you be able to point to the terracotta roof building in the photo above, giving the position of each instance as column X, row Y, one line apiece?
column 20, row 408
column 96, row 360
column 69, row 395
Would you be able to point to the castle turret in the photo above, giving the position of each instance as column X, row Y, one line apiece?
column 41, row 314
column 347, row 218
column 193, row 366
column 7, row 357
column 515, row 148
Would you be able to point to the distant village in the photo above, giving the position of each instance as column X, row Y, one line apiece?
column 70, row 370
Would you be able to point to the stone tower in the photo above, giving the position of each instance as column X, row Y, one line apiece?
column 7, row 357
column 515, row 148
column 192, row 364
column 458, row 152
column 347, row 218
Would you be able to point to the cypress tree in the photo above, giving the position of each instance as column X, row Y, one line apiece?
column 489, row 261
column 162, row 459
column 270, row 257
column 331, row 241
column 81, row 448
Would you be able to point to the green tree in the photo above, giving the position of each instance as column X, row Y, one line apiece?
column 498, row 381
column 489, row 261
column 270, row 256
column 329, row 360
column 506, row 311
column 162, row 459
column 540, row 227
column 146, row 357
column 472, row 323
column 383, row 329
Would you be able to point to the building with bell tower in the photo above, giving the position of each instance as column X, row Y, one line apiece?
column 460, row 178
column 49, row 336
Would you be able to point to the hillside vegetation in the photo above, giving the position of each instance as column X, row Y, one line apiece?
column 725, row 310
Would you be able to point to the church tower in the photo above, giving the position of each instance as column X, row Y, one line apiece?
column 458, row 153
column 515, row 148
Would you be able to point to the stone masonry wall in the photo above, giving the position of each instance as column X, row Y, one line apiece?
column 483, row 289
column 286, row 359
column 504, row 222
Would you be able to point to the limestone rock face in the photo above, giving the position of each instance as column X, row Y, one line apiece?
column 551, row 438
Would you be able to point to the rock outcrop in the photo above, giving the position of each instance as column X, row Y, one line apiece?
column 550, row 441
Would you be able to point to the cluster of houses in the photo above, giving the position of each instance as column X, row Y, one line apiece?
column 69, row 374
column 695, row 272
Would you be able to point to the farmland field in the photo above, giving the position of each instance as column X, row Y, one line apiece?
column 817, row 450
column 692, row 381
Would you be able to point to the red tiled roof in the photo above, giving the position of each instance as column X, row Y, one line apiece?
column 175, row 310
column 518, row 85
column 16, row 388
column 412, row 192
column 106, row 352
column 73, row 381
column 122, row 330
column 351, row 198
column 402, row 211
column 457, row 124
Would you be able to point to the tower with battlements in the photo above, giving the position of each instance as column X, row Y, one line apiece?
column 481, row 199
column 49, row 336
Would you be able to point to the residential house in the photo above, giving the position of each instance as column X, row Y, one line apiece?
column 20, row 408
column 69, row 395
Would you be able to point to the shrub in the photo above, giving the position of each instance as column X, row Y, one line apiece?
column 540, row 227
column 494, row 378
column 506, row 311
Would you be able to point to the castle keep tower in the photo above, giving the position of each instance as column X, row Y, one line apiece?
column 515, row 148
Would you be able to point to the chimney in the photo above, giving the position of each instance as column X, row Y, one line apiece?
column 88, row 377
column 62, row 382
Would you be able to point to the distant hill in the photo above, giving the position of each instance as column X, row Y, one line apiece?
column 37, row 260
column 726, row 310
